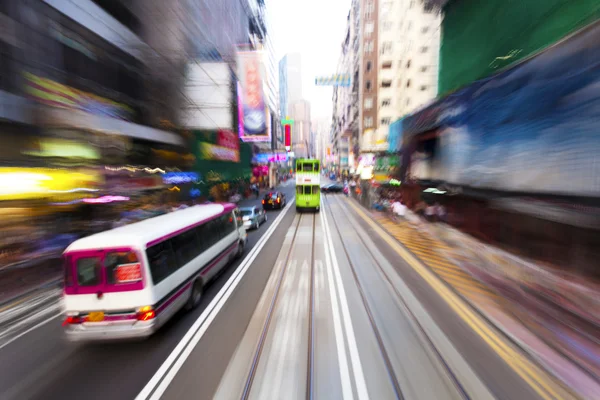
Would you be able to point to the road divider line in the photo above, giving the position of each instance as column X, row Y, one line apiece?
column 359, row 377
column 160, row 381
column 526, row 369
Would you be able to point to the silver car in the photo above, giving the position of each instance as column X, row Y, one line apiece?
column 253, row 217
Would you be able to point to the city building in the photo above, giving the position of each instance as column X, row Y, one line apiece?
column 346, row 107
column 290, row 82
column 302, row 140
column 368, row 73
column 409, row 43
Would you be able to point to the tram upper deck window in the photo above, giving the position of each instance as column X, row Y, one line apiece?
column 309, row 167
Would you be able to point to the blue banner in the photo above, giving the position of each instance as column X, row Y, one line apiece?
column 533, row 128
column 395, row 136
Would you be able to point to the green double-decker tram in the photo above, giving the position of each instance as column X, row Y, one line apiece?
column 308, row 188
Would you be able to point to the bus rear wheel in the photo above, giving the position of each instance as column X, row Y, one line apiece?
column 195, row 295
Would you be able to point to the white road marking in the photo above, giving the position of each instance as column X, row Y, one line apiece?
column 159, row 383
column 347, row 392
column 359, row 377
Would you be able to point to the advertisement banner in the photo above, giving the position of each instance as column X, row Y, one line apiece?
column 218, row 153
column 264, row 158
column 253, row 102
column 343, row 80
column 228, row 139
column 54, row 94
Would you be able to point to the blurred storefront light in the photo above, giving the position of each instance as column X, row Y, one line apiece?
column 35, row 183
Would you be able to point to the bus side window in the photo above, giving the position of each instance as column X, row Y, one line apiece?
column 299, row 189
column 315, row 189
column 186, row 246
column 162, row 261
column 227, row 224
column 205, row 236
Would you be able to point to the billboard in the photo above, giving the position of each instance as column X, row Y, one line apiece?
column 207, row 88
column 226, row 149
column 253, row 100
column 343, row 80
column 54, row 94
column 264, row 158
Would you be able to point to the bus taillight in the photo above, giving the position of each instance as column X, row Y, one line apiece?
column 72, row 320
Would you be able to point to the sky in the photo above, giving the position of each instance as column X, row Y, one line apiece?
column 315, row 29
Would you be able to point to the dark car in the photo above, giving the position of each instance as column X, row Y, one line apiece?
column 333, row 188
column 274, row 200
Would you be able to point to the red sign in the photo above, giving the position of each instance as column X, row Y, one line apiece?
column 228, row 139
column 288, row 137
column 126, row 273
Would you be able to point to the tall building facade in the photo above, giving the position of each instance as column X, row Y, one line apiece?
column 290, row 82
column 409, row 44
column 302, row 140
column 345, row 127
column 368, row 72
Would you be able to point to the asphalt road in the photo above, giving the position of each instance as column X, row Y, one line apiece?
column 40, row 364
column 328, row 309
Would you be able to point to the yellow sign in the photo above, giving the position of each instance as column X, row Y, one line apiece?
column 37, row 183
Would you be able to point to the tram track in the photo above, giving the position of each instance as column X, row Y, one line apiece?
column 408, row 313
column 273, row 305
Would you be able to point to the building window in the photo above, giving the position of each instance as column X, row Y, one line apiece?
column 408, row 102
column 423, row 69
column 408, row 64
column 386, row 102
column 425, row 29
column 423, row 88
column 370, row 7
column 369, row 26
column 386, row 65
column 368, row 103
column 386, row 121
column 428, row 8
column 424, row 49
column 368, row 122
column 369, row 46
column 386, row 7
column 388, row 25
column 368, row 85
column 386, row 83
column 369, row 66
column 386, row 47
column 408, row 83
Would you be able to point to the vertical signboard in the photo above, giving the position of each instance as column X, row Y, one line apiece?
column 240, row 111
column 288, row 137
column 287, row 133
column 253, row 102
